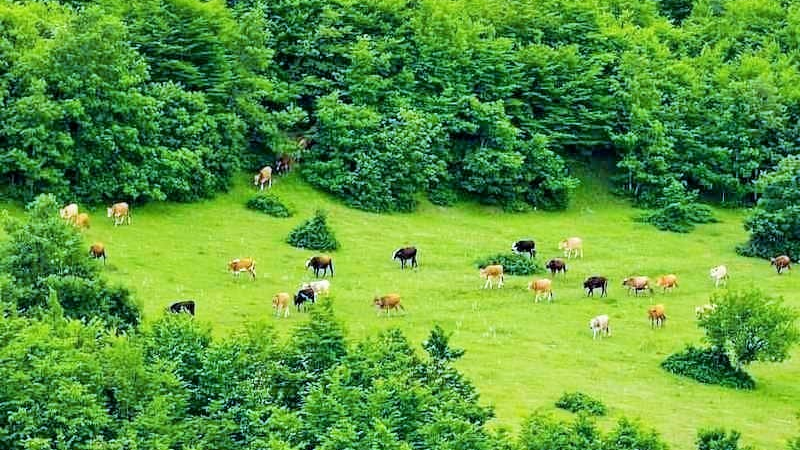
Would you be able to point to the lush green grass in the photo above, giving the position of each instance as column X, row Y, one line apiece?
column 521, row 355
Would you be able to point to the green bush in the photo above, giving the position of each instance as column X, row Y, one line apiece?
column 579, row 402
column 678, row 210
column 314, row 234
column 269, row 204
column 719, row 439
column 709, row 366
column 513, row 264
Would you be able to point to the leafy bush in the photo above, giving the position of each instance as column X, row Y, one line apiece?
column 707, row 365
column 679, row 210
column 314, row 234
column 513, row 263
column 269, row 204
column 547, row 433
column 579, row 402
column 719, row 439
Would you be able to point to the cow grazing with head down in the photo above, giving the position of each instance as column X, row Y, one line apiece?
column 69, row 212
column 556, row 265
column 542, row 288
column 304, row 296
column 781, row 262
column 637, row 284
column 82, row 221
column 97, row 251
column 570, row 246
column 320, row 262
column 388, row 303
column 527, row 246
column 120, row 212
column 321, row 287
column 492, row 273
column 280, row 303
column 667, row 282
column 405, row 254
column 283, row 164
column 184, row 306
column 238, row 266
column 264, row 176
column 704, row 310
column 720, row 275
column 600, row 325
column 595, row 282
column 656, row 315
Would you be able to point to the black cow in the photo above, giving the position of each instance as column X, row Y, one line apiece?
column 320, row 262
column 185, row 306
column 593, row 283
column 528, row 247
column 404, row 254
column 304, row 295
column 556, row 265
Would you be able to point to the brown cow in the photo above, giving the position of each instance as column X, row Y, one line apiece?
column 656, row 315
column 320, row 262
column 69, row 212
column 556, row 265
column 781, row 262
column 280, row 302
column 97, row 251
column 543, row 288
column 248, row 265
column 667, row 282
column 264, row 176
column 388, row 303
column 637, row 284
column 491, row 273
column 283, row 164
column 82, row 221
column 121, row 213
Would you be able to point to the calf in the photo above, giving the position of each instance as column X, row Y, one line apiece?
column 781, row 262
column 593, row 283
column 185, row 306
column 667, row 282
column 491, row 273
column 720, row 275
column 656, row 315
column 319, row 287
column 97, row 251
column 542, row 288
column 303, row 296
column 556, row 265
column 637, row 284
column 264, row 176
column 387, row 303
column 528, row 247
column 599, row 325
column 69, row 212
column 238, row 266
column 570, row 246
column 280, row 302
column 120, row 212
column 82, row 221
column 320, row 262
column 404, row 254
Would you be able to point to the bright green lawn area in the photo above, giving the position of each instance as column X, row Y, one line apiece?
column 522, row 356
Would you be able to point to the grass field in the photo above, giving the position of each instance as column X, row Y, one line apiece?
column 522, row 356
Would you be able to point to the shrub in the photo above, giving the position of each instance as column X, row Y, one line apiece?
column 678, row 210
column 314, row 234
column 707, row 365
column 513, row 264
column 269, row 204
column 718, row 439
column 579, row 402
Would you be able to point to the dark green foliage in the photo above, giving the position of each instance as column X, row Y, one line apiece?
column 676, row 10
column 630, row 435
column 513, row 263
column 438, row 348
column 45, row 254
column 314, row 234
column 679, row 210
column 578, row 402
column 708, row 365
column 719, row 439
column 546, row 433
column 774, row 225
column 269, row 204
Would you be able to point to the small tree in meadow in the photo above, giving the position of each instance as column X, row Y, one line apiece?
column 678, row 210
column 719, row 439
column 751, row 326
column 314, row 234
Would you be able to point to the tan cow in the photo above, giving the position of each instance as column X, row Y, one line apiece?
column 491, row 273
column 704, row 310
column 280, row 302
column 387, row 303
column 120, row 212
column 656, row 315
column 69, row 212
column 97, row 251
column 637, row 284
column 781, row 262
column 238, row 266
column 82, row 221
column 264, row 176
column 543, row 288
column 570, row 246
column 667, row 282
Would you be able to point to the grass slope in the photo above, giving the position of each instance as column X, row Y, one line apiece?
column 521, row 355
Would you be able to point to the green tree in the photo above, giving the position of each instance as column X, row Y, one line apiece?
column 719, row 439
column 314, row 234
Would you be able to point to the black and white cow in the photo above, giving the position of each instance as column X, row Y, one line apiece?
column 303, row 296
column 185, row 306
column 528, row 247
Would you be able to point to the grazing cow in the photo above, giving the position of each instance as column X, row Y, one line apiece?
column 704, row 310
column 556, row 265
column 320, row 262
column 283, row 164
column 781, row 262
column 280, row 302
column 404, row 254
column 82, row 221
column 543, row 288
column 185, row 306
column 667, row 282
column 491, row 273
column 528, row 247
column 570, row 245
column 69, row 212
column 264, row 176
column 599, row 325
column 121, row 213
column 593, row 283
column 656, row 315
column 387, row 303
column 97, row 251
column 238, row 266
column 637, row 284
column 319, row 287
column 304, row 296
column 719, row 274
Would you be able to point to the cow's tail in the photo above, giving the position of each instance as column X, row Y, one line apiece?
column 331, row 266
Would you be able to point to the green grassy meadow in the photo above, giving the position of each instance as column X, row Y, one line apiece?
column 522, row 356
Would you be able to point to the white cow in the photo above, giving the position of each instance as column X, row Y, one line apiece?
column 719, row 274
column 570, row 245
column 599, row 325
column 319, row 287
